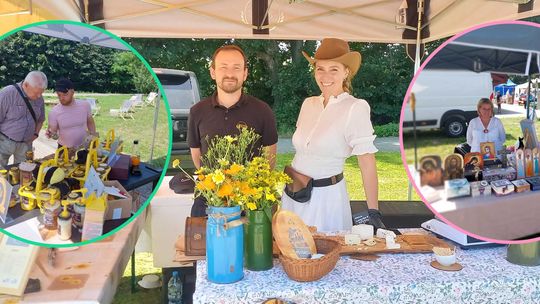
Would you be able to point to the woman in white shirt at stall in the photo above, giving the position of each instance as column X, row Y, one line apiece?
column 330, row 128
column 485, row 128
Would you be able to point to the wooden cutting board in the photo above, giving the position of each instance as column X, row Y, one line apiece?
column 409, row 244
column 292, row 235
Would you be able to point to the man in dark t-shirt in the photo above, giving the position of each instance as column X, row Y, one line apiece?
column 221, row 113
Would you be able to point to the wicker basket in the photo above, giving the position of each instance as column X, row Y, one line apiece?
column 307, row 270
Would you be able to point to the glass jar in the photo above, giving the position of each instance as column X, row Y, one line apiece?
column 27, row 203
column 50, row 215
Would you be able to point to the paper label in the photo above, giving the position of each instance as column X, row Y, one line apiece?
column 5, row 196
column 117, row 213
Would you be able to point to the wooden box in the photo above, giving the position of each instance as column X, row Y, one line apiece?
column 120, row 167
column 481, row 188
column 457, row 187
column 535, row 183
column 502, row 187
column 491, row 175
column 521, row 185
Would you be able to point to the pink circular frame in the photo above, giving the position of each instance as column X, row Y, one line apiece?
column 401, row 147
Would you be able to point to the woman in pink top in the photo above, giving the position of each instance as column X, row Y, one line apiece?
column 71, row 119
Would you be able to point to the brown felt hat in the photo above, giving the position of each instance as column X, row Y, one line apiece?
column 337, row 50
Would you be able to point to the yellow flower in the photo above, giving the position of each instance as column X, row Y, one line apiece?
column 223, row 162
column 225, row 190
column 251, row 206
column 176, row 163
column 235, row 168
column 270, row 196
column 218, row 177
column 200, row 171
column 208, row 184
column 230, row 139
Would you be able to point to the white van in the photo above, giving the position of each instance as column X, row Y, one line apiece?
column 446, row 100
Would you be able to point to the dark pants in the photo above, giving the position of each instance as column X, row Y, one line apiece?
column 199, row 207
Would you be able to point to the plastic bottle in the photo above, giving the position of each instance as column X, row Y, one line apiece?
column 174, row 289
column 135, row 159
column 64, row 223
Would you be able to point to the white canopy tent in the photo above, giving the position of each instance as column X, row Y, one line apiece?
column 385, row 21
column 77, row 33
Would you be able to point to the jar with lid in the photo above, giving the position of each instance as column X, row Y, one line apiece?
column 51, row 209
column 26, row 202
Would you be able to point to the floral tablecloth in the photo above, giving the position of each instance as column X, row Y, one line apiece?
column 486, row 277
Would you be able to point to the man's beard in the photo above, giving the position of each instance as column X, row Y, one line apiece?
column 229, row 87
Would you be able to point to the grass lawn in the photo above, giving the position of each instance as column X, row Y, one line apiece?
column 435, row 142
column 144, row 266
column 393, row 185
column 140, row 128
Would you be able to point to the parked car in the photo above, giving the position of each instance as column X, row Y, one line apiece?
column 181, row 91
column 446, row 100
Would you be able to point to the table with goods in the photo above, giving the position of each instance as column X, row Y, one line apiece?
column 73, row 195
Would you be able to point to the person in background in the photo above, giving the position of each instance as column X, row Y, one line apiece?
column 22, row 113
column 70, row 119
column 330, row 128
column 485, row 128
column 499, row 102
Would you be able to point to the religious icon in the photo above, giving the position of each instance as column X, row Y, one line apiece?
column 431, row 171
column 488, row 150
column 529, row 168
column 473, row 165
column 529, row 134
column 453, row 166
column 520, row 164
column 536, row 164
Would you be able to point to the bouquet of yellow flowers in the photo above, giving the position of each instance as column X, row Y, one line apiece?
column 230, row 176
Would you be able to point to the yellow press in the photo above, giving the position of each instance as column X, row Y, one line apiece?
column 81, row 174
column 77, row 197
column 47, row 196
column 29, row 193
column 61, row 156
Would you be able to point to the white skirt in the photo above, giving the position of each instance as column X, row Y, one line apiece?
column 329, row 208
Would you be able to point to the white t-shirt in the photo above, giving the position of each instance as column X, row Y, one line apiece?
column 476, row 135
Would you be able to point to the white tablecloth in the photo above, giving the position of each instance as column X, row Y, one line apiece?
column 486, row 277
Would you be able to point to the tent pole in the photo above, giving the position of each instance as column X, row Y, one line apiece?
column 420, row 7
column 156, row 112
column 528, row 93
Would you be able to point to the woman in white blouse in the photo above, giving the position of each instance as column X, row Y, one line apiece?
column 330, row 128
column 485, row 128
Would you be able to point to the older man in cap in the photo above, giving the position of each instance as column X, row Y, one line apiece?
column 22, row 112
column 71, row 119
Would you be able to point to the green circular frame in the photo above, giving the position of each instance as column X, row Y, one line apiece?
column 149, row 68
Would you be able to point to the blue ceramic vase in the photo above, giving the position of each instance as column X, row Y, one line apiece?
column 224, row 245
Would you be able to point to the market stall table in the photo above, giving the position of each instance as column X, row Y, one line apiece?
column 149, row 174
column 103, row 262
column 486, row 277
column 509, row 217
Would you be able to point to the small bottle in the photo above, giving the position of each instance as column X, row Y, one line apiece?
column 64, row 223
column 135, row 159
column 174, row 289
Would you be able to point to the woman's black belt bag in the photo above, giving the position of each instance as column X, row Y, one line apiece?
column 302, row 185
